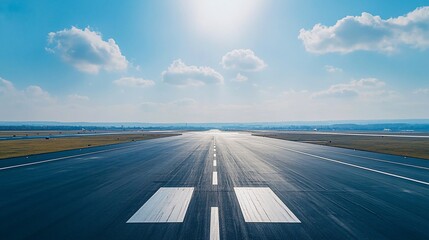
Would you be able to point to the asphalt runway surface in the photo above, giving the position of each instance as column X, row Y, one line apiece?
column 214, row 185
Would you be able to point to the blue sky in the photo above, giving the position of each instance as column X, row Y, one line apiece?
column 213, row 61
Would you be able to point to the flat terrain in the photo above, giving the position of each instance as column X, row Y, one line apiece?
column 16, row 148
column 409, row 146
column 25, row 135
column 214, row 185
column 42, row 133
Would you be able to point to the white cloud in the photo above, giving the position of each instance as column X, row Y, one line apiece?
column 422, row 91
column 180, row 74
column 355, row 88
column 86, row 50
column 241, row 78
column 133, row 82
column 180, row 110
column 370, row 33
column 33, row 103
column 332, row 69
column 372, row 100
column 183, row 102
column 31, row 93
column 242, row 60
column 77, row 98
column 29, row 103
column 6, row 86
column 37, row 93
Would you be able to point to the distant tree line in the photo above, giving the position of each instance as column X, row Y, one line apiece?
column 387, row 127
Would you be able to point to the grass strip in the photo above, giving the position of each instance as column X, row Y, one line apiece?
column 17, row 148
column 409, row 147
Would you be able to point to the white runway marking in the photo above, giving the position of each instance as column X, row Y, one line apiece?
column 214, row 149
column 166, row 205
column 261, row 204
column 214, row 163
column 214, row 178
column 368, row 135
column 214, row 223
column 381, row 160
column 360, row 167
column 62, row 158
column 214, row 155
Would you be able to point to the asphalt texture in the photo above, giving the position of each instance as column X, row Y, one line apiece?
column 336, row 193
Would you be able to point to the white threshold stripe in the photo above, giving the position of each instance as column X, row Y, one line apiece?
column 381, row 160
column 360, row 167
column 166, row 205
column 261, row 204
column 62, row 158
column 214, row 179
column 214, row 223
column 214, row 163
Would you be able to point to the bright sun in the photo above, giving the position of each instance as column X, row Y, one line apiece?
column 222, row 18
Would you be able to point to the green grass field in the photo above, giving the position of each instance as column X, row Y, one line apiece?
column 16, row 148
column 410, row 147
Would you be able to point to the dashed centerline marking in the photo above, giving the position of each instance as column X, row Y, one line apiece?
column 261, row 204
column 214, row 223
column 166, row 205
column 214, row 163
column 214, row 154
column 214, row 179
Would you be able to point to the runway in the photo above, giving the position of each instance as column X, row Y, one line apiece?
column 214, row 185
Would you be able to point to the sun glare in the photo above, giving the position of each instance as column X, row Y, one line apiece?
column 222, row 18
